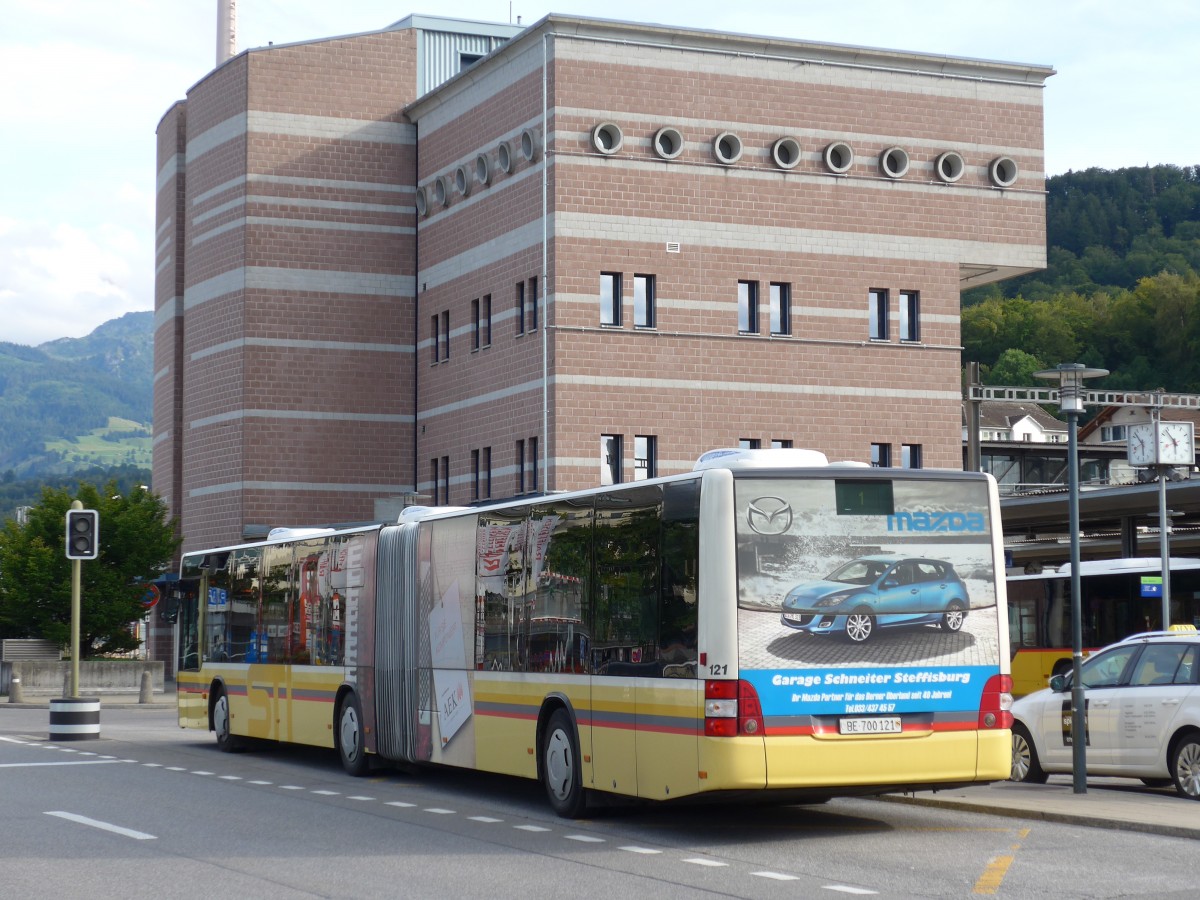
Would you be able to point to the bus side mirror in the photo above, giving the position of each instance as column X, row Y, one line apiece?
column 1058, row 683
column 168, row 609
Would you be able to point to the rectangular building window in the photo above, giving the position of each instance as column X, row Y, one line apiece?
column 520, row 310
column 877, row 312
column 533, row 463
column 748, row 307
column 531, row 305
column 486, row 318
column 610, row 298
column 475, row 475
column 476, row 326
column 487, row 472
column 445, row 335
column 784, row 444
column 610, row 459
column 749, row 443
column 881, row 455
column 519, row 455
column 445, row 481
column 645, row 462
column 435, row 340
column 643, row 301
column 434, row 478
column 910, row 456
column 781, row 308
column 910, row 316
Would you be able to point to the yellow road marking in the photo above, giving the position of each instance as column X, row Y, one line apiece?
column 989, row 882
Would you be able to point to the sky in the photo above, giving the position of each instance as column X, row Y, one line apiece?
column 84, row 83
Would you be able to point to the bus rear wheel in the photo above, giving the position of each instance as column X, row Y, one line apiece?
column 350, row 737
column 560, row 767
column 227, row 742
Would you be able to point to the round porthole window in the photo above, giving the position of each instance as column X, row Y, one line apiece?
column 1003, row 171
column 668, row 143
column 529, row 144
column 483, row 169
column 504, row 157
column 422, row 201
column 462, row 181
column 839, row 157
column 786, row 153
column 441, row 196
column 607, row 138
column 893, row 162
column 950, row 167
column 727, row 148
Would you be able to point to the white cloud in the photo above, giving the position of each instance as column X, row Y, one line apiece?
column 63, row 281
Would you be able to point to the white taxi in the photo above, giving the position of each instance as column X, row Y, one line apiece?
column 1141, row 716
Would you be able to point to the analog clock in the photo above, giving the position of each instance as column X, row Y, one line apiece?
column 1142, row 446
column 1175, row 444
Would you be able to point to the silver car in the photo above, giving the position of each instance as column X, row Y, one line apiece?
column 1142, row 716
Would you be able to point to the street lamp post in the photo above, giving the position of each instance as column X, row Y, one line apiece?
column 1070, row 378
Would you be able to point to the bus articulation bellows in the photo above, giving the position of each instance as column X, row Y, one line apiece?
column 768, row 623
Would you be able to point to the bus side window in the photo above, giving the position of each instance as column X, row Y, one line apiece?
column 677, row 612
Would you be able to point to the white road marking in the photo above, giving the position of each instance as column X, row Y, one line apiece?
column 231, row 777
column 776, row 876
column 706, row 862
column 290, row 787
column 327, row 793
column 103, row 826
column 176, row 769
column 260, row 782
column 530, row 828
column 401, row 804
column 152, row 765
column 200, row 772
column 439, row 812
column 486, row 819
column 585, row 838
column 356, row 797
column 81, row 762
column 846, row 889
column 645, row 850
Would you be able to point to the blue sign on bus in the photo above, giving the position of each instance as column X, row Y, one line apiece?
column 1151, row 586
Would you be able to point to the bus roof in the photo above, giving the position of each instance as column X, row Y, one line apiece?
column 1128, row 566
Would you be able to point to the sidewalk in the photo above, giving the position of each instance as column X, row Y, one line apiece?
column 1123, row 804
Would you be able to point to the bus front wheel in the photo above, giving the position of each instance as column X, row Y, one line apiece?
column 227, row 742
column 560, row 766
column 350, row 737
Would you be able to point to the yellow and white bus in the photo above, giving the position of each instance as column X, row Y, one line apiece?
column 1118, row 597
column 766, row 623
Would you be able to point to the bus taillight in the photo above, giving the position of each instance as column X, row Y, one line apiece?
column 995, row 706
column 731, row 708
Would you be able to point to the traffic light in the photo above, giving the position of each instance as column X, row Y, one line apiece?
column 83, row 534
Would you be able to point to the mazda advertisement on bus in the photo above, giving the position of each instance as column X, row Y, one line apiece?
column 866, row 596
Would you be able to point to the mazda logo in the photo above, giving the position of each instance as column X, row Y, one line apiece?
column 769, row 515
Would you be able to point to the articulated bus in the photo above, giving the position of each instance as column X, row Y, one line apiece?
column 1118, row 598
column 767, row 624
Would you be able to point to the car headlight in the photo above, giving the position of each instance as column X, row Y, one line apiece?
column 831, row 600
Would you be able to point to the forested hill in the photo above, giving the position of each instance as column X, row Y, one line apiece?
column 66, row 389
column 1121, row 290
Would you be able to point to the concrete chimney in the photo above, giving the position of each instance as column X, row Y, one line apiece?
column 226, row 30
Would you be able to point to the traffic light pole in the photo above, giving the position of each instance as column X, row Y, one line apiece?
column 76, row 590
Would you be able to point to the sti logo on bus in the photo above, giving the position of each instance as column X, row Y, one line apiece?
column 769, row 515
column 936, row 521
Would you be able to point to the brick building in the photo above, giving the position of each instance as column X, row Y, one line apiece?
column 466, row 261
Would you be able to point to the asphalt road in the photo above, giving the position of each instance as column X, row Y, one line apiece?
column 149, row 810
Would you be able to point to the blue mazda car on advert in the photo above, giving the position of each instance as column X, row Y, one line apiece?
column 874, row 592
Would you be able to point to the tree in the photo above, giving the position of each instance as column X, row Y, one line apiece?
column 136, row 542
